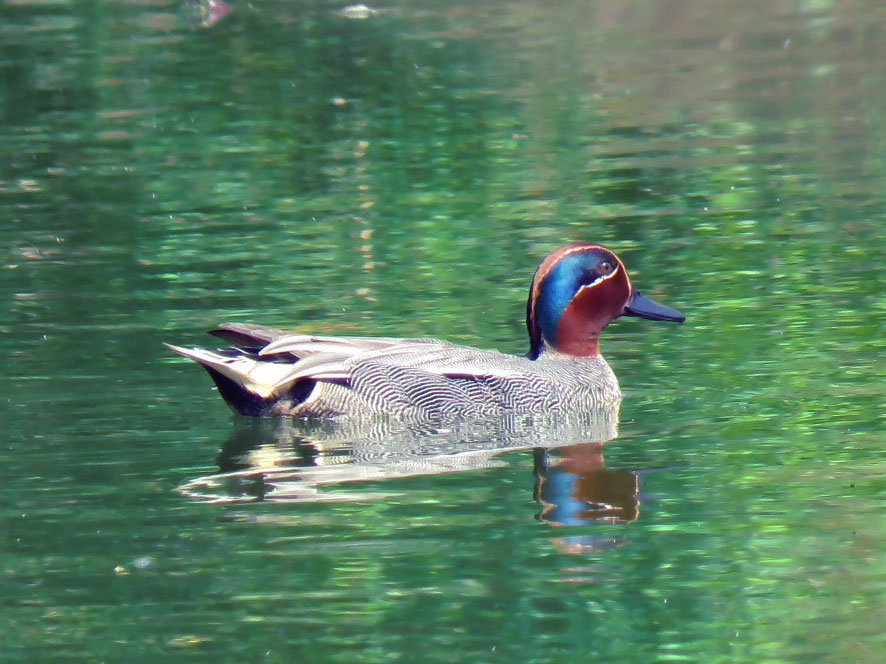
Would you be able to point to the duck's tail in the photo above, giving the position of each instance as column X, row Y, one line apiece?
column 250, row 386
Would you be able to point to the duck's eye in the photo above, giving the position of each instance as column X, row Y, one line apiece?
column 605, row 267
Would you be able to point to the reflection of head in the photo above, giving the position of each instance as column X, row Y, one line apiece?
column 573, row 487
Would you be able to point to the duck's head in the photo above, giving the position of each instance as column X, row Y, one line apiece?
column 577, row 291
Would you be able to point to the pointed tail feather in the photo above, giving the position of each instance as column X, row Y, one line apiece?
column 249, row 387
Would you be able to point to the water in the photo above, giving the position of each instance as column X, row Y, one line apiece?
column 403, row 174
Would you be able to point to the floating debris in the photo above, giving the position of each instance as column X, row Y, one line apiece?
column 357, row 12
column 187, row 641
column 205, row 13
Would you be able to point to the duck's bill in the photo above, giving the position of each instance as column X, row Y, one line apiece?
column 642, row 306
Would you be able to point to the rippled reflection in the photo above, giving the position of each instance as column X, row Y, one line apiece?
column 303, row 461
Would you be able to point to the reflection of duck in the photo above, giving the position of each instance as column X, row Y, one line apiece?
column 573, row 487
column 575, row 293
column 293, row 460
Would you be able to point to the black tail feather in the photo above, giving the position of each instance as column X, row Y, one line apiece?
column 244, row 402
column 241, row 400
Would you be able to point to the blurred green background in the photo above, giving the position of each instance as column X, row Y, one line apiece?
column 402, row 174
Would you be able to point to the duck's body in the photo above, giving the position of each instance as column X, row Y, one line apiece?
column 576, row 291
column 409, row 378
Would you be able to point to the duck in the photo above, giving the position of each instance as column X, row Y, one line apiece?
column 576, row 291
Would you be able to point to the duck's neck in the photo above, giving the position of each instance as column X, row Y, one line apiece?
column 578, row 330
column 587, row 346
column 574, row 340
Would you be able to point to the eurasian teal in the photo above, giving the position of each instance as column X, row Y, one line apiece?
column 576, row 292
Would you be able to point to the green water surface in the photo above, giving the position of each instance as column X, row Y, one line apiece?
column 402, row 174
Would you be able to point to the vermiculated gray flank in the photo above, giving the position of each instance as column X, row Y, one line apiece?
column 409, row 378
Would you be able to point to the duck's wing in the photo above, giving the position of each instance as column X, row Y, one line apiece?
column 303, row 345
column 409, row 371
column 246, row 335
column 267, row 361
column 324, row 358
